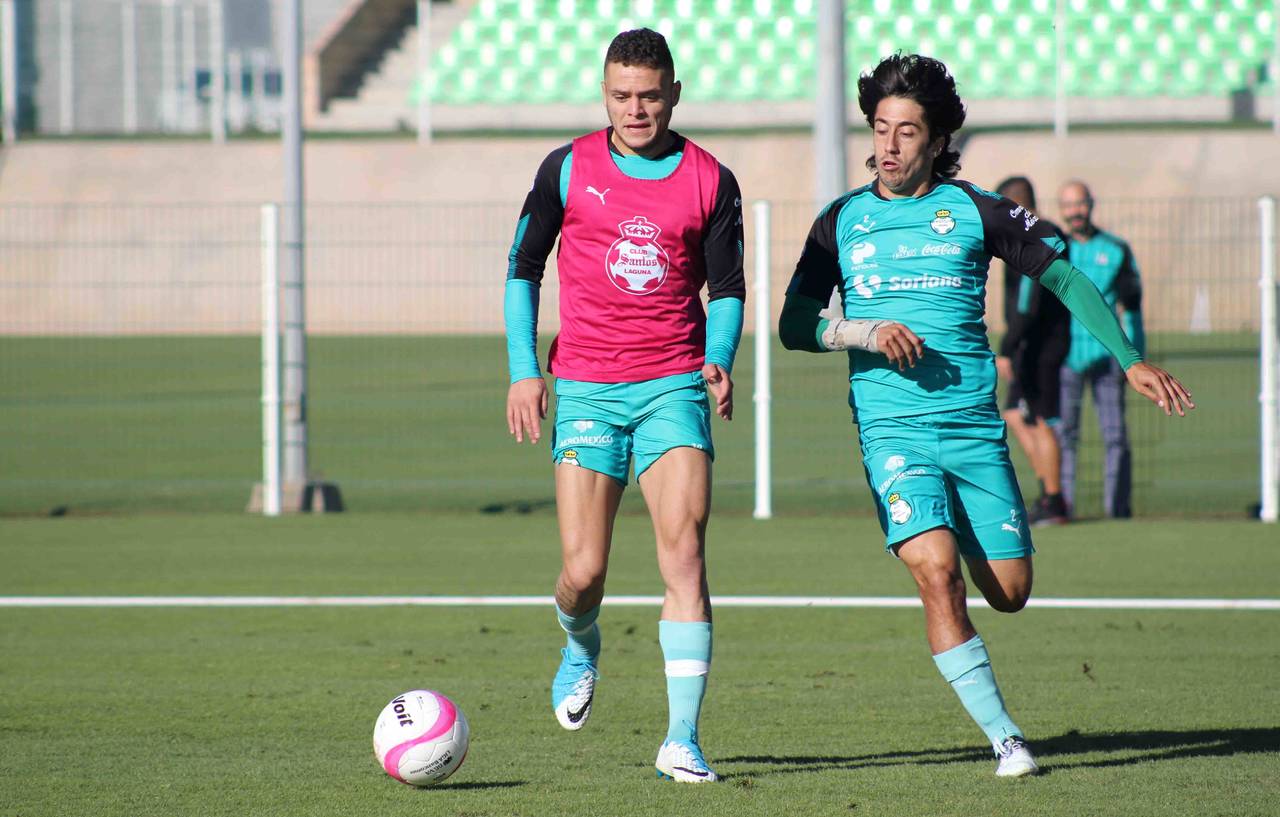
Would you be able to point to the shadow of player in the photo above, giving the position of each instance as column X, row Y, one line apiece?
column 1070, row 750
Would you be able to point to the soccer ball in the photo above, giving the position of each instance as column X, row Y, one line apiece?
column 421, row 737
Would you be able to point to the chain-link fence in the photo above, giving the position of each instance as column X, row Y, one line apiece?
column 130, row 370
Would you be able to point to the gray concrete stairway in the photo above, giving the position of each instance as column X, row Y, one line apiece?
column 384, row 99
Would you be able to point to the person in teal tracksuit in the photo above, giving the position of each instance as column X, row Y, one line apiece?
column 909, row 254
column 1109, row 263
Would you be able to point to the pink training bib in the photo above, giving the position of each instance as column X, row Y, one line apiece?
column 631, row 267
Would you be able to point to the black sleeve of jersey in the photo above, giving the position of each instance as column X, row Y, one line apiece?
column 818, row 270
column 1128, row 285
column 1023, row 241
column 545, row 213
column 1018, row 325
column 722, row 242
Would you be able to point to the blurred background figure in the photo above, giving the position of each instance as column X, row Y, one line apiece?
column 1109, row 263
column 1037, row 335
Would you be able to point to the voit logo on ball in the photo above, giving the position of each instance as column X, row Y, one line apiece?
column 636, row 263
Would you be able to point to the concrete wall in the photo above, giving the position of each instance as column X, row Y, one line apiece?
column 406, row 238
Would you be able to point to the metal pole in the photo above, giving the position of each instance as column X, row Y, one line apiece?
column 9, row 70
column 258, row 88
column 271, row 488
column 1060, row 70
column 169, row 65
column 1275, row 66
column 764, row 391
column 424, row 69
column 235, row 90
column 218, row 74
column 295, row 337
column 830, row 126
column 1269, row 394
column 129, row 52
column 66, row 69
column 190, row 104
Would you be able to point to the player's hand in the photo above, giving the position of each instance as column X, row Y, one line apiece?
column 900, row 345
column 1004, row 368
column 526, row 408
column 1160, row 387
column 720, row 385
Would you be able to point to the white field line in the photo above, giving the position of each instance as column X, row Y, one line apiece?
column 630, row 601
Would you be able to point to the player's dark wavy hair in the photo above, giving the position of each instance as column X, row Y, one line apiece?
column 926, row 81
column 643, row 47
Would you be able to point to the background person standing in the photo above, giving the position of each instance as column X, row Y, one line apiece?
column 1108, row 262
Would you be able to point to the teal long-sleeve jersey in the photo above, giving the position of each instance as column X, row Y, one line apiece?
column 921, row 262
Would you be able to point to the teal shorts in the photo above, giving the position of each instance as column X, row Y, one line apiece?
column 600, row 425
column 949, row 469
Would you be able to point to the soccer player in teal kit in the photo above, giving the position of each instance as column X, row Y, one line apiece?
column 645, row 219
column 909, row 253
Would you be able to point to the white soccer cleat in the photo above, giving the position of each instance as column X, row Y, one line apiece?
column 1013, row 758
column 683, row 763
column 572, row 691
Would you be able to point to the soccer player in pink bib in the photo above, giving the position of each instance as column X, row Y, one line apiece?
column 645, row 218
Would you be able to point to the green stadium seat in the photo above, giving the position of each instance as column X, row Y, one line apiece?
column 996, row 48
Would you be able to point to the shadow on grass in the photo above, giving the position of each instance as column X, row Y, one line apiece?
column 468, row 785
column 1070, row 750
column 521, row 506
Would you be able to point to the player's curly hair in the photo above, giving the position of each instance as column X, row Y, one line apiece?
column 643, row 47
column 926, row 81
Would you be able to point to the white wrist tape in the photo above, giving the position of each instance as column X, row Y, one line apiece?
column 842, row 334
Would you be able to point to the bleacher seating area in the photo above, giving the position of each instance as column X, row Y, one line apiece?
column 542, row 51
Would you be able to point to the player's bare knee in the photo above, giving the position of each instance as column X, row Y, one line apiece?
column 939, row 579
column 583, row 576
column 1008, row 603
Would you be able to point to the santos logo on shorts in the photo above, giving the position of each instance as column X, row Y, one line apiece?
column 899, row 509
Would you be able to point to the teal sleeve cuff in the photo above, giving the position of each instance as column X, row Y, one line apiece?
column 800, row 326
column 1086, row 303
column 724, row 331
column 520, row 312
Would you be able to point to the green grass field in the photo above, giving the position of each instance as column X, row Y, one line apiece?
column 110, row 425
column 146, row 449
column 269, row 711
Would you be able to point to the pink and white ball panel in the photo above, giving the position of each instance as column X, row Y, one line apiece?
column 421, row 737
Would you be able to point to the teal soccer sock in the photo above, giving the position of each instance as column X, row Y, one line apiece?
column 584, row 633
column 686, row 649
column 968, row 669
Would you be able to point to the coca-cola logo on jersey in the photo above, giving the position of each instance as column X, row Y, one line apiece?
column 636, row 262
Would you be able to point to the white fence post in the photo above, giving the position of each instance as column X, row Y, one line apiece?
column 763, row 337
column 190, row 104
column 66, row 69
column 9, row 70
column 169, row 66
column 1269, row 394
column 129, row 63
column 271, row 450
column 217, row 74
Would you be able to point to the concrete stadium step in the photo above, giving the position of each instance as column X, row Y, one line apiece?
column 385, row 99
